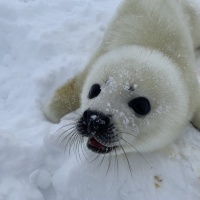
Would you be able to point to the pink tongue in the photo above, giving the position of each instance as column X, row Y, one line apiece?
column 96, row 144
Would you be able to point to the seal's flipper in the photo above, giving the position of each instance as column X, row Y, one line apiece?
column 66, row 99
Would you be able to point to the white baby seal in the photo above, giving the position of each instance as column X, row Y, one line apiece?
column 140, row 89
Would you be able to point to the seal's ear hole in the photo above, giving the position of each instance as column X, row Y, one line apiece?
column 140, row 105
column 94, row 91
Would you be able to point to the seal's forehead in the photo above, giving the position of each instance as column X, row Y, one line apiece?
column 152, row 73
column 128, row 69
column 131, row 75
column 125, row 84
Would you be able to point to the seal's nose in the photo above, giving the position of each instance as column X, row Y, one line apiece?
column 95, row 120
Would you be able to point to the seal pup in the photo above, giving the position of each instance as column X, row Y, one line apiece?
column 139, row 90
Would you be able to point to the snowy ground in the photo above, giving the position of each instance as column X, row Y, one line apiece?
column 42, row 44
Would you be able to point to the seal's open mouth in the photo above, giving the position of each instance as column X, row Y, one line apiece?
column 97, row 147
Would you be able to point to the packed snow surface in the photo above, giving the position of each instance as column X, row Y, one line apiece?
column 43, row 43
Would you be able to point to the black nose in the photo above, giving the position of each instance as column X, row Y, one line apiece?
column 95, row 120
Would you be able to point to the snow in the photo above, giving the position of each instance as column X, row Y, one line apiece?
column 43, row 43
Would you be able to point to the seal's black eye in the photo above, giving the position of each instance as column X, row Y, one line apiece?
column 140, row 105
column 94, row 91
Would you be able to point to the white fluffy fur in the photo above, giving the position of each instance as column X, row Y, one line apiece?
column 155, row 77
column 149, row 45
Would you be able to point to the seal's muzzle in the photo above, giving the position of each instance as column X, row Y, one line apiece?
column 97, row 127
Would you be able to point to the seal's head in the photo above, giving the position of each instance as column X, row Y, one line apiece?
column 134, row 99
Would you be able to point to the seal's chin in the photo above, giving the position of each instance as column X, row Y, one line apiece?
column 97, row 147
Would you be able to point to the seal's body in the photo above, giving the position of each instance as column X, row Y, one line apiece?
column 139, row 90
